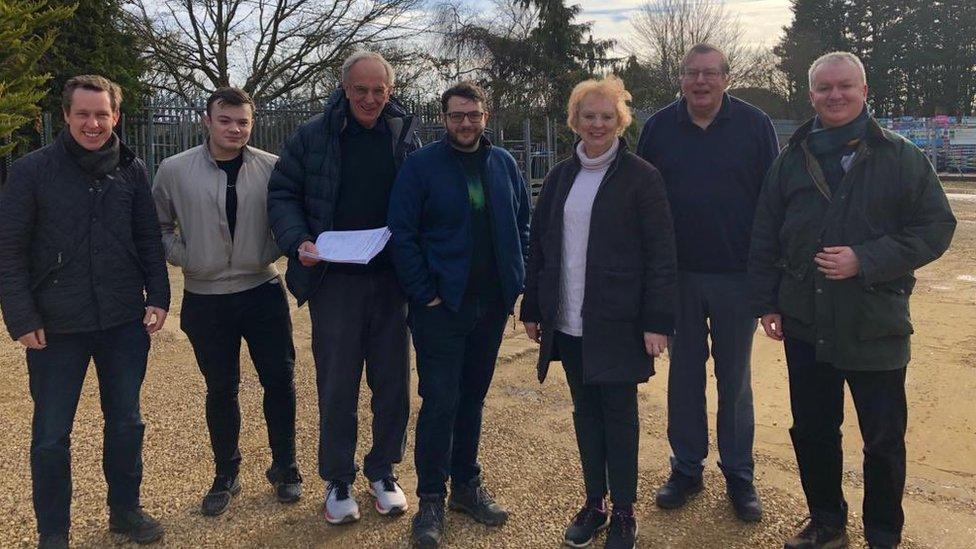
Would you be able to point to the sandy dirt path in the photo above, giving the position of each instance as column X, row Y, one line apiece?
column 529, row 453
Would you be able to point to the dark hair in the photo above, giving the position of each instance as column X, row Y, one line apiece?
column 467, row 90
column 702, row 49
column 91, row 82
column 230, row 96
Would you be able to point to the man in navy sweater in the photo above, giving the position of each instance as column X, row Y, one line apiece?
column 459, row 213
column 713, row 151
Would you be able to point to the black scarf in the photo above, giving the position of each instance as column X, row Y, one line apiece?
column 831, row 145
column 98, row 163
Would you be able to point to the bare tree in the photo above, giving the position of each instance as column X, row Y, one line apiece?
column 270, row 48
column 665, row 29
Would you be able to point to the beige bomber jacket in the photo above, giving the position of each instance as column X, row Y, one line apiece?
column 190, row 193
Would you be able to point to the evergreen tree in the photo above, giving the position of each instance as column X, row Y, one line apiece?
column 817, row 27
column 26, row 32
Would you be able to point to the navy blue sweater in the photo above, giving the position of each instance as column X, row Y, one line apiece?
column 713, row 178
column 430, row 218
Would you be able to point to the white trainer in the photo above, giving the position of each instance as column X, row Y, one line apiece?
column 340, row 503
column 389, row 497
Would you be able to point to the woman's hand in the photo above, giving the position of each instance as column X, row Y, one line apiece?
column 533, row 330
column 655, row 344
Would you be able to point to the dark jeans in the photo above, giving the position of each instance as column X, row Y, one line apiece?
column 57, row 374
column 607, row 427
column 456, row 353
column 712, row 306
column 356, row 318
column 817, row 402
column 215, row 325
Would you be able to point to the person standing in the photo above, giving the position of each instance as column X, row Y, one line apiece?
column 82, row 277
column 212, row 207
column 335, row 173
column 713, row 151
column 599, row 296
column 459, row 214
column 848, row 211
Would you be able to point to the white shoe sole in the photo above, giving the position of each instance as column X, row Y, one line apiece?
column 345, row 519
column 394, row 511
column 588, row 542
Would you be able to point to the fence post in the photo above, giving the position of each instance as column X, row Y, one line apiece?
column 150, row 138
column 47, row 134
column 527, row 136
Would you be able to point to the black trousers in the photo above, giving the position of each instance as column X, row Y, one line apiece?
column 215, row 325
column 817, row 402
column 57, row 374
column 607, row 428
column 357, row 318
column 456, row 353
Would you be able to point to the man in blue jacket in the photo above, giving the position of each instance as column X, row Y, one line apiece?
column 459, row 213
column 335, row 173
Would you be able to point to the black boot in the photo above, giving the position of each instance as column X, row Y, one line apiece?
column 53, row 541
column 134, row 523
column 428, row 523
column 217, row 500
column 287, row 483
column 818, row 536
column 473, row 500
column 677, row 490
column 623, row 530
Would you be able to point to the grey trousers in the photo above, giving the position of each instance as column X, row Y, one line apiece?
column 712, row 307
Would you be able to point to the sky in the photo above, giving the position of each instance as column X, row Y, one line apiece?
column 762, row 20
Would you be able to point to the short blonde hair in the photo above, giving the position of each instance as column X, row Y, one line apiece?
column 611, row 87
column 836, row 57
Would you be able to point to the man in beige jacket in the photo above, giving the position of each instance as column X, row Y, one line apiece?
column 211, row 201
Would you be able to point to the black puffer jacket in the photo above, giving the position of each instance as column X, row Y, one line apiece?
column 78, row 254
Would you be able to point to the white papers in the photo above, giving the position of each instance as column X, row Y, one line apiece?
column 350, row 246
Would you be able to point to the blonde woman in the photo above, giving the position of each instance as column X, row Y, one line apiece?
column 599, row 291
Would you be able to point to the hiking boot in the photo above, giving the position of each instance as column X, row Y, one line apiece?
column 586, row 524
column 390, row 500
column 473, row 500
column 623, row 531
column 287, row 483
column 428, row 524
column 53, row 541
column 135, row 523
column 218, row 498
column 677, row 490
column 818, row 536
column 744, row 499
column 340, row 505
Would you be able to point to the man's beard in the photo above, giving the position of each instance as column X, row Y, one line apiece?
column 459, row 144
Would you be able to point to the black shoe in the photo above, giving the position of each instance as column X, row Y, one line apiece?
column 677, row 490
column 881, row 546
column 586, row 524
column 218, row 498
column 623, row 531
column 818, row 536
column 428, row 523
column 53, row 541
column 473, row 500
column 745, row 500
column 134, row 523
column 287, row 483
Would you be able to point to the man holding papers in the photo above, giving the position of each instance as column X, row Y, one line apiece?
column 212, row 207
column 335, row 174
column 459, row 215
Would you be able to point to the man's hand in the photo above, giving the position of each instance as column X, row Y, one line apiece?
column 655, row 344
column 307, row 247
column 773, row 326
column 435, row 302
column 533, row 330
column 838, row 262
column 154, row 325
column 34, row 340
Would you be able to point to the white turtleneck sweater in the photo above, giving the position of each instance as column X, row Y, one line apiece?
column 576, row 233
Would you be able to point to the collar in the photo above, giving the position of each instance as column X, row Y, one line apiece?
column 875, row 133
column 724, row 112
column 245, row 153
column 353, row 127
column 485, row 144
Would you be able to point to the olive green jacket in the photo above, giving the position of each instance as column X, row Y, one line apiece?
column 890, row 208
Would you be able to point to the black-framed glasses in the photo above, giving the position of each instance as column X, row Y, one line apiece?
column 473, row 116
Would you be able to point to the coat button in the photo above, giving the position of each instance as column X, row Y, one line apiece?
column 819, row 290
column 820, row 342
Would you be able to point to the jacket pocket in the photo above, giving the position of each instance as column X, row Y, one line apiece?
column 616, row 295
column 795, row 293
column 884, row 309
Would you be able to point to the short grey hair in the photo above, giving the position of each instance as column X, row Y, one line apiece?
column 836, row 57
column 361, row 55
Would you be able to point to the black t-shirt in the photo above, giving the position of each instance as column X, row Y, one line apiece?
column 483, row 279
column 231, row 168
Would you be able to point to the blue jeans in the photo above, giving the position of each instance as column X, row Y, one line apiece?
column 456, row 354
column 57, row 374
column 712, row 306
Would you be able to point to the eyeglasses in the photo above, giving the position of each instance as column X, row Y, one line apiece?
column 473, row 116
column 710, row 74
